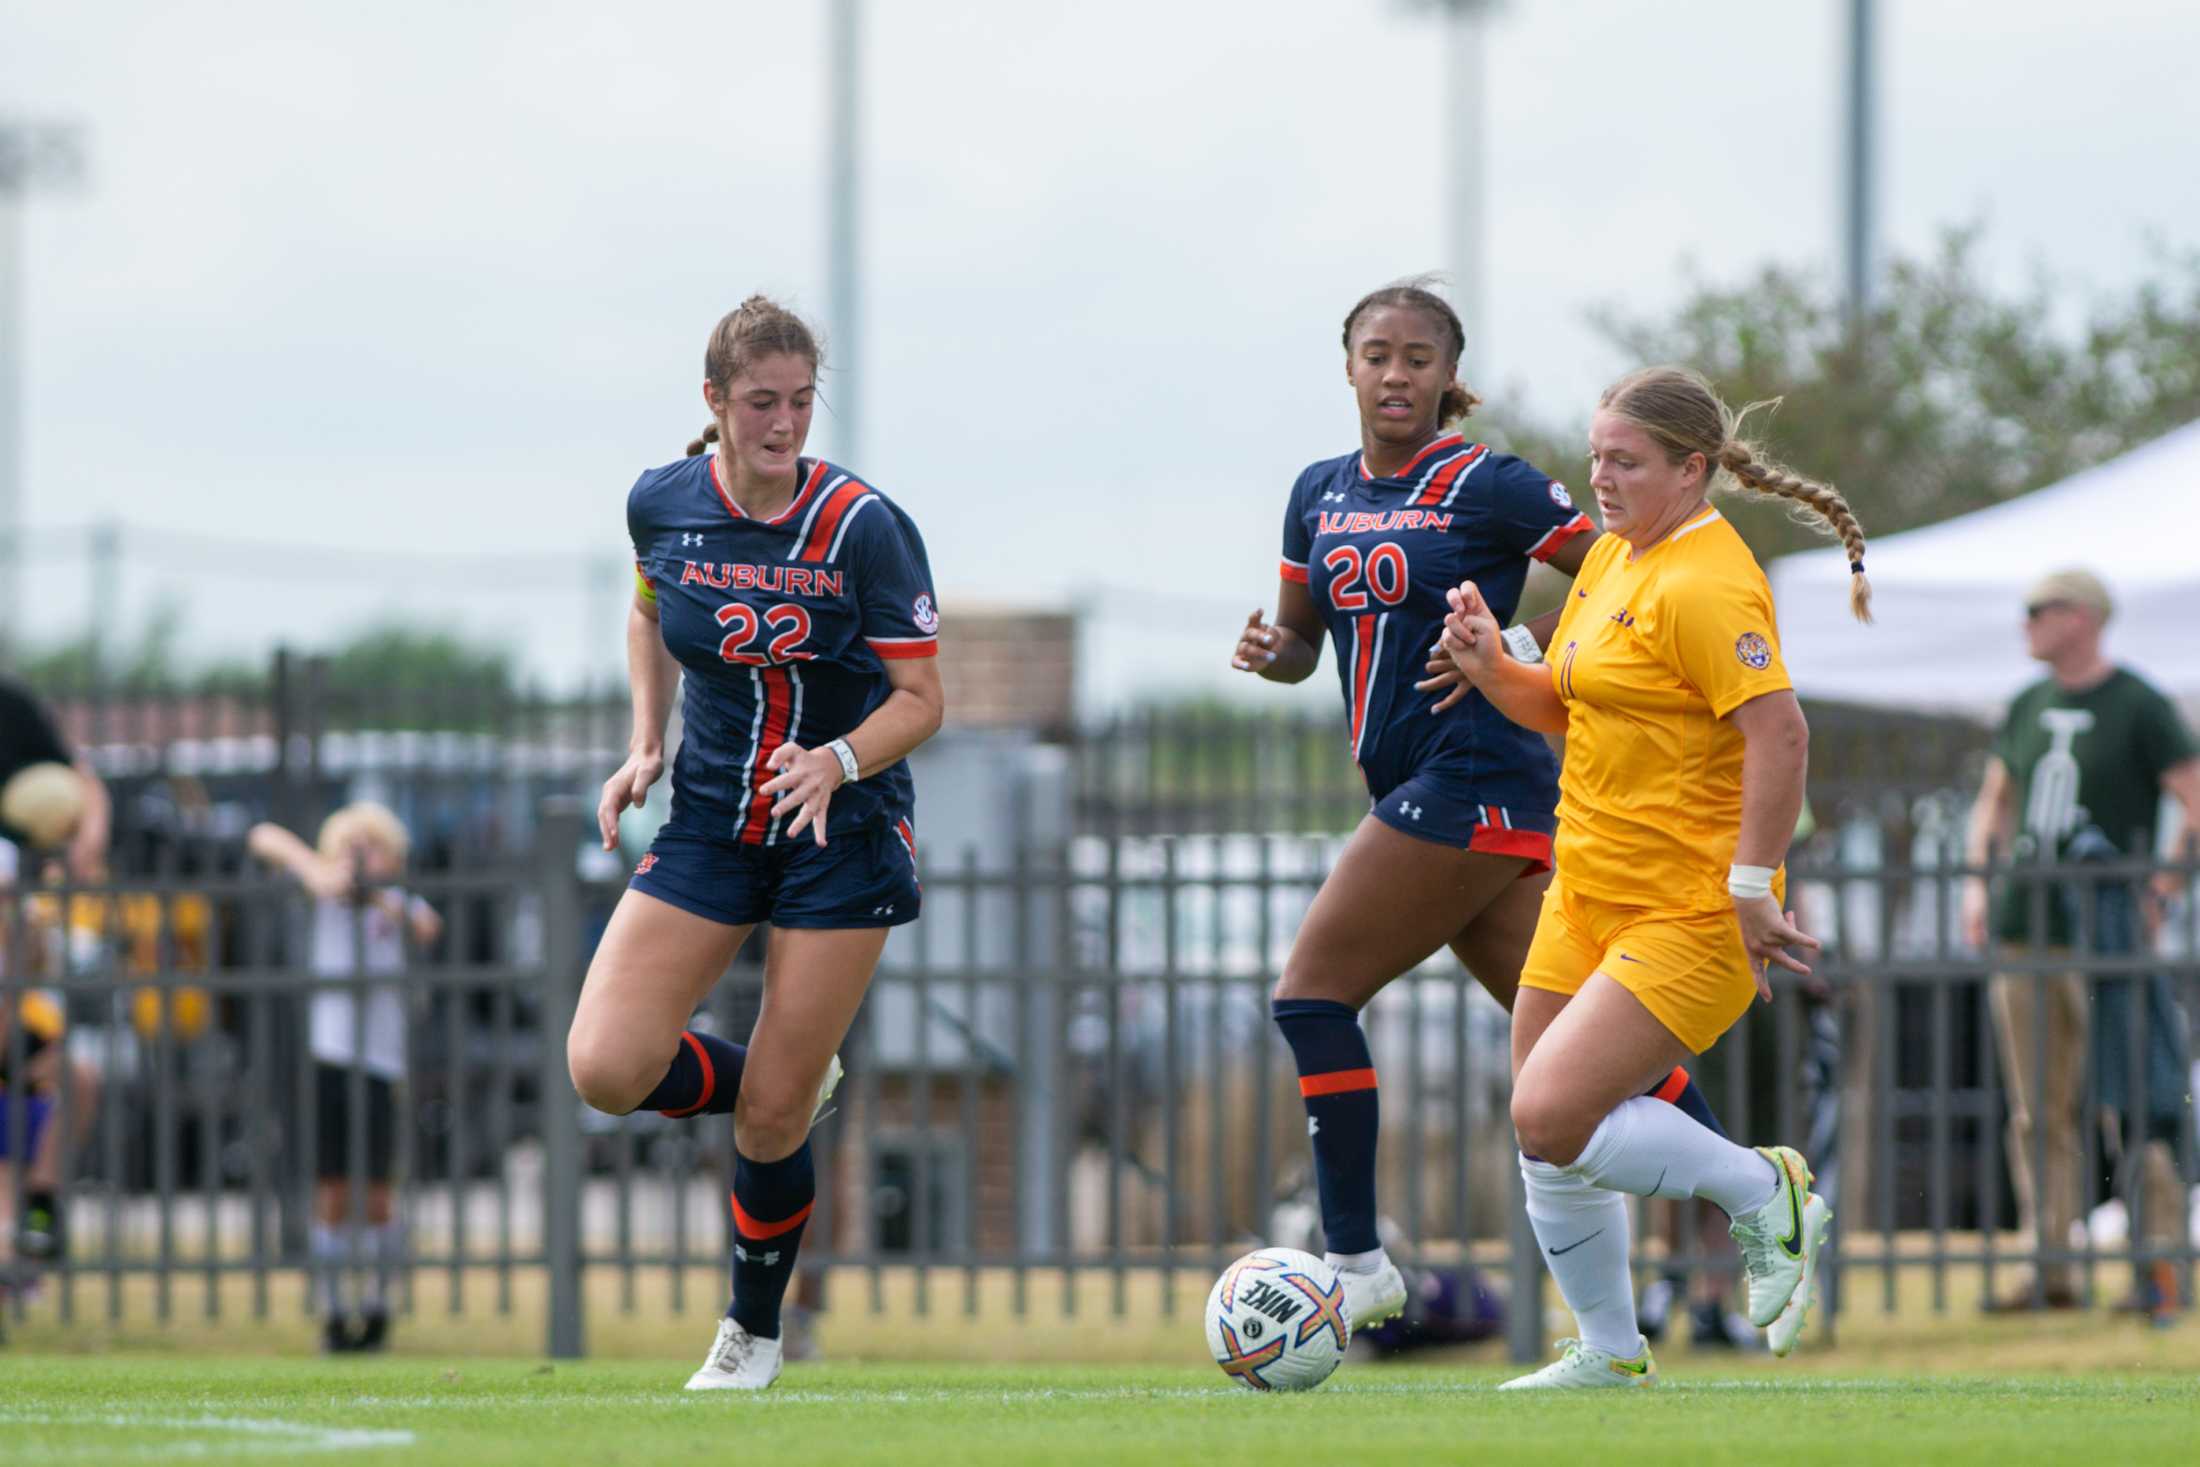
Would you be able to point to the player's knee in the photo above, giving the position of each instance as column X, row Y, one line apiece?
column 1308, row 973
column 606, row 1074
column 770, row 1124
column 1546, row 1125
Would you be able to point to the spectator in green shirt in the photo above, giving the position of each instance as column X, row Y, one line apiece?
column 2080, row 768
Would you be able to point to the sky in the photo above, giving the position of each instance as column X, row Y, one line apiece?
column 377, row 311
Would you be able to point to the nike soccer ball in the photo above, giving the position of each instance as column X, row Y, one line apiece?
column 1276, row 1320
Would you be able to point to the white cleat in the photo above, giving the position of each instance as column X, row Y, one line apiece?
column 1782, row 1333
column 738, row 1361
column 1581, row 1367
column 1776, row 1249
column 834, row 1072
column 1372, row 1296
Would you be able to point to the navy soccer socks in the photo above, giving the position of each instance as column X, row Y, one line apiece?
column 1685, row 1096
column 705, row 1078
column 771, row 1202
column 1337, row 1082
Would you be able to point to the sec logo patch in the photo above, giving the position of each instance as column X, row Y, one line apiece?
column 1754, row 651
column 1559, row 496
column 922, row 613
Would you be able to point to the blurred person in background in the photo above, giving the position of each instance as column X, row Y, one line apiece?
column 29, row 736
column 361, row 925
column 1455, row 849
column 2078, row 772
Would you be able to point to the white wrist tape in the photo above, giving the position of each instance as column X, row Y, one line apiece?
column 1521, row 643
column 849, row 772
column 1745, row 882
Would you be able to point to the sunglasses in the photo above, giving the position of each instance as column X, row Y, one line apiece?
column 2040, row 608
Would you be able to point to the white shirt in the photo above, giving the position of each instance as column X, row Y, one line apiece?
column 343, row 1032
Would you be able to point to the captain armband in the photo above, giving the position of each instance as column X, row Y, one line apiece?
column 642, row 587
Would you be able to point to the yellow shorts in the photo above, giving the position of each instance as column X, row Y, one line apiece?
column 1688, row 968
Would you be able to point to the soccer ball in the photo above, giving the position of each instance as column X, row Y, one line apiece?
column 44, row 802
column 1276, row 1320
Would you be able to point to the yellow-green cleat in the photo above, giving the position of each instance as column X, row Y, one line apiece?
column 1581, row 1366
column 1777, row 1249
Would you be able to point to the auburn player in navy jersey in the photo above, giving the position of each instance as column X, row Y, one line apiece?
column 793, row 605
column 1456, row 846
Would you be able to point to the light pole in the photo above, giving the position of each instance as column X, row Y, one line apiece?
column 1466, row 125
column 1858, row 180
column 32, row 155
column 843, row 60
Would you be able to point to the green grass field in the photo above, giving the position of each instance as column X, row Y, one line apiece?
column 427, row 1413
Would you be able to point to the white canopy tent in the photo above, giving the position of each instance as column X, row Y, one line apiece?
column 1949, row 598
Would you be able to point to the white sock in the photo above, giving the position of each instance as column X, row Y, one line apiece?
column 386, row 1245
column 1368, row 1262
column 1651, row 1149
column 328, row 1267
column 1583, row 1230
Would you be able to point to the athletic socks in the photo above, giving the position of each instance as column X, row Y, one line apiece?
column 1650, row 1149
column 1337, row 1082
column 705, row 1078
column 330, row 1257
column 771, row 1202
column 1583, row 1231
column 1682, row 1092
column 386, row 1250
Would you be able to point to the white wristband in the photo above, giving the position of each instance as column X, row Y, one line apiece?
column 1746, row 882
column 1521, row 643
column 848, row 768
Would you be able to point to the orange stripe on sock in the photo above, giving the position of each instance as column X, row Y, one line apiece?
column 1336, row 1082
column 762, row 1232
column 710, row 1079
column 1674, row 1084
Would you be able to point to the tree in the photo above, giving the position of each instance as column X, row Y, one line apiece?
column 1951, row 397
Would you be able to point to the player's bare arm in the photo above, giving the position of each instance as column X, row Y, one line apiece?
column 1521, row 691
column 1775, row 763
column 652, row 676
column 806, row 778
column 1288, row 649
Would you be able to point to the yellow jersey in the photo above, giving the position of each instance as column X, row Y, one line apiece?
column 1651, row 653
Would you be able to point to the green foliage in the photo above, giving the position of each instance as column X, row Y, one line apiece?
column 1952, row 397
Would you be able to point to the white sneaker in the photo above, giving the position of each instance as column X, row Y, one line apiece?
column 1586, row 1367
column 1783, row 1331
column 833, row 1075
column 738, row 1361
column 1372, row 1296
column 1776, row 1249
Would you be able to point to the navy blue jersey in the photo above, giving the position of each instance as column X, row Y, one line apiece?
column 1378, row 556
column 782, row 628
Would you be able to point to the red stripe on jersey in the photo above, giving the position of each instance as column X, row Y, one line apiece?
column 1547, row 547
column 1363, row 674
column 718, row 483
column 829, row 515
column 1294, row 572
column 1449, row 474
column 778, row 711
column 1443, row 444
column 896, row 647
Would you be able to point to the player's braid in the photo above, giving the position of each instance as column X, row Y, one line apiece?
column 1740, row 459
column 758, row 327
column 1678, row 408
column 1418, row 293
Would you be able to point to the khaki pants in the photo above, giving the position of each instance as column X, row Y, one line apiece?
column 2048, row 1104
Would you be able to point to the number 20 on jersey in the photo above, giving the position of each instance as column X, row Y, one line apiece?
column 1382, row 570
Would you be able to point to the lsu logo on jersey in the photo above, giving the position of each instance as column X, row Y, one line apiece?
column 1754, row 651
column 925, row 615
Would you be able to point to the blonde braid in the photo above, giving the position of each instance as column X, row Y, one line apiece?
column 1740, row 459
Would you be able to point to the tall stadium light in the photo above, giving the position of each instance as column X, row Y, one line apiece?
column 844, row 55
column 1466, row 171
column 1858, row 179
column 32, row 155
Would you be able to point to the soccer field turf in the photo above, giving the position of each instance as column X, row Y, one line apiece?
column 90, row 1409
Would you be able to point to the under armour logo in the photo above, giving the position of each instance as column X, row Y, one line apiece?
column 691, row 539
column 1313, row 1126
column 769, row 1260
column 1336, row 497
column 1410, row 811
column 885, row 911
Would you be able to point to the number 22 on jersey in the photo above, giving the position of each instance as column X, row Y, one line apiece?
column 790, row 626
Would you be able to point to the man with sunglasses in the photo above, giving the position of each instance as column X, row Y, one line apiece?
column 2078, row 772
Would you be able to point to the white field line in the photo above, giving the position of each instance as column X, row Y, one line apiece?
column 240, row 1433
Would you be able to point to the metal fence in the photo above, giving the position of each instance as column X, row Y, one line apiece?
column 1066, row 1069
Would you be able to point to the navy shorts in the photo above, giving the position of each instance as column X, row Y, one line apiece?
column 27, row 1114
column 866, row 877
column 1443, row 808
